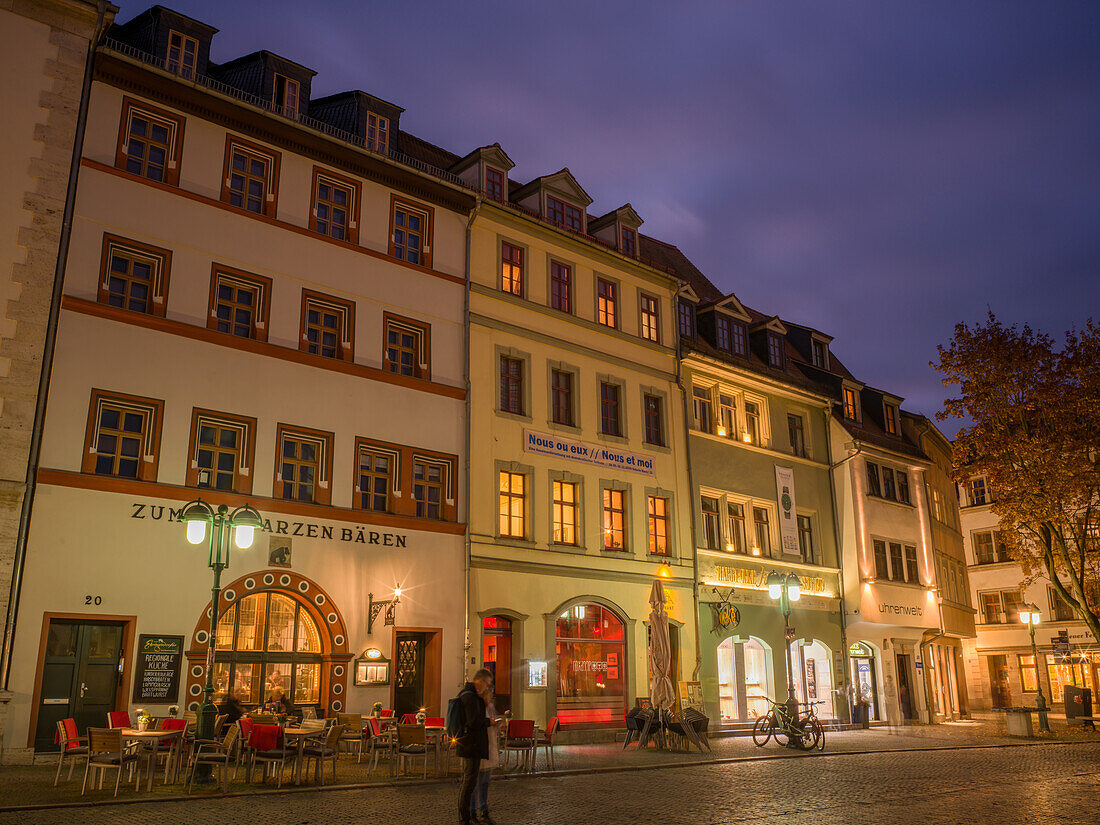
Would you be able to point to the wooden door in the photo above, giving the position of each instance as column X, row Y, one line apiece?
column 408, row 677
column 998, row 681
column 80, row 676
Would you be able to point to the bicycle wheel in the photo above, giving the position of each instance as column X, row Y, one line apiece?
column 762, row 731
column 819, row 733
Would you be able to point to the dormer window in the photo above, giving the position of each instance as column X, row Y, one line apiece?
column 494, row 183
column 686, row 319
column 286, row 96
column 182, row 54
column 820, row 352
column 378, row 133
column 628, row 241
column 851, row 404
column 775, row 350
column 890, row 418
column 739, row 339
column 722, row 337
column 564, row 214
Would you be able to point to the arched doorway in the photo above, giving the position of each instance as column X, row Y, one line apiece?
column 812, row 672
column 864, row 677
column 744, row 679
column 275, row 629
column 590, row 645
column 496, row 657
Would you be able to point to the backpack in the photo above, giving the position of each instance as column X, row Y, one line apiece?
column 456, row 717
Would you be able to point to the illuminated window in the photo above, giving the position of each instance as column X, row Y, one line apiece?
column 564, row 512
column 511, row 268
column 513, row 499
column 712, row 535
column 735, row 524
column 890, row 418
column 614, row 520
column 701, row 402
column 658, row 525
column 651, row 320
column 762, row 532
column 607, row 303
column 851, row 404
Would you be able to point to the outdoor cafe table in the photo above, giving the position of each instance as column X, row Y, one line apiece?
column 299, row 736
column 156, row 736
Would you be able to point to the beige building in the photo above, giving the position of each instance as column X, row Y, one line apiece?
column 264, row 304
column 1001, row 667
column 946, row 695
column 43, row 54
column 577, row 463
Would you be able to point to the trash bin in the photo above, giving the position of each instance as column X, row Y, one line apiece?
column 1078, row 702
column 1018, row 721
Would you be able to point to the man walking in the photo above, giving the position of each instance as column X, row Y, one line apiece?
column 473, row 744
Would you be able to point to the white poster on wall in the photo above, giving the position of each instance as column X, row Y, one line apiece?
column 788, row 523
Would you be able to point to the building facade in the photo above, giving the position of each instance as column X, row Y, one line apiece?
column 264, row 304
column 45, row 45
column 1001, row 666
column 759, row 448
column 577, row 463
column 946, row 695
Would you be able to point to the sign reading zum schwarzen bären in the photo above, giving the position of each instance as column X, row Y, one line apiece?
column 599, row 455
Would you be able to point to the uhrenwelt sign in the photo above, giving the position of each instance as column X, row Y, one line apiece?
column 597, row 454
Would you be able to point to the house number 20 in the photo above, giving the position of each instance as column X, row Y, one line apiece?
column 93, row 600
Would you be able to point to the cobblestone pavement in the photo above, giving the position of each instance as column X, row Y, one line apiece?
column 1037, row 783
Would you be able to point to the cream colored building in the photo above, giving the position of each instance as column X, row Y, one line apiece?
column 43, row 54
column 888, row 558
column 1000, row 661
column 577, row 462
column 260, row 306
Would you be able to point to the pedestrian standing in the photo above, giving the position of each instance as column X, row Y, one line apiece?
column 479, row 805
column 472, row 744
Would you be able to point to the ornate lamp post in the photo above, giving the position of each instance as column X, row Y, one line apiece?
column 1030, row 615
column 242, row 524
column 786, row 588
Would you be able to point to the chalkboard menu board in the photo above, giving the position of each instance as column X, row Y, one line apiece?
column 157, row 677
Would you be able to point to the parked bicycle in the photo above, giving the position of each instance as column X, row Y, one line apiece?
column 803, row 730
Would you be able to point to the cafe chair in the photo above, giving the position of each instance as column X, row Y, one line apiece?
column 387, row 714
column 174, row 752
column 379, row 742
column 407, row 719
column 309, row 712
column 546, row 740
column 412, row 741
column 105, row 752
column 435, row 722
column 215, row 754
column 353, row 733
column 322, row 749
column 267, row 745
column 520, row 740
column 265, row 718
column 72, row 746
column 118, row 719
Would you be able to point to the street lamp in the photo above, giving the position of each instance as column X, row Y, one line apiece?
column 786, row 588
column 240, row 525
column 1030, row 615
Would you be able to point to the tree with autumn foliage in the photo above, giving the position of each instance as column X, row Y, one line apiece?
column 1033, row 412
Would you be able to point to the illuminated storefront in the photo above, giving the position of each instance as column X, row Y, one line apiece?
column 590, row 648
column 1078, row 669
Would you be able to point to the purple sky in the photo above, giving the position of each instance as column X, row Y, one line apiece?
column 879, row 170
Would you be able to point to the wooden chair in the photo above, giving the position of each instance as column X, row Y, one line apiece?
column 118, row 719
column 105, row 752
column 407, row 719
column 72, row 746
column 265, row 718
column 353, row 732
column 546, row 740
column 328, row 748
column 215, row 754
column 412, row 741
column 267, row 745
column 519, row 738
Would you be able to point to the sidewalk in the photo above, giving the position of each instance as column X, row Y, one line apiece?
column 33, row 785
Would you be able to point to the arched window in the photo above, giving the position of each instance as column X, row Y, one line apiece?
column 591, row 666
column 268, row 640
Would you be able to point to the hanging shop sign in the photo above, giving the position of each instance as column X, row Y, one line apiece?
column 157, row 677
column 726, row 616
column 599, row 455
column 788, row 523
column 355, row 534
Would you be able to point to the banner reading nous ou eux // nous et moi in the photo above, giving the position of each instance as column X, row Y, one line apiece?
column 599, row 455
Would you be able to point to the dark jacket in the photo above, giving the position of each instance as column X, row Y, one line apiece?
column 232, row 709
column 474, row 743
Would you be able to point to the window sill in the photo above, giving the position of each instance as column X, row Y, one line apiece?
column 564, row 428
column 660, row 448
column 613, row 439
column 623, row 552
column 893, row 501
column 514, row 416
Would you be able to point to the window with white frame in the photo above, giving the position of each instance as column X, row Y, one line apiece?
column 701, row 403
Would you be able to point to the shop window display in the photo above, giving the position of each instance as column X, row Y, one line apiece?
column 812, row 672
column 743, row 680
column 591, row 666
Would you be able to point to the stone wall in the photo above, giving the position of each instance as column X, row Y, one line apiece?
column 43, row 46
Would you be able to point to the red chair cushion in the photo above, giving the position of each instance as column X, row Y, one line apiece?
column 521, row 729
column 387, row 714
column 436, row 722
column 408, row 719
column 375, row 728
column 71, row 735
column 118, row 719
